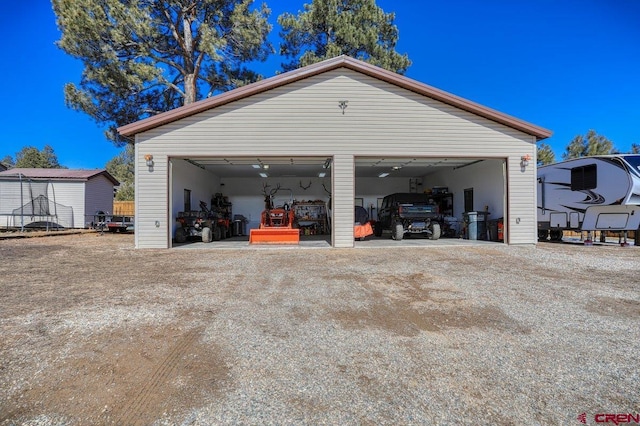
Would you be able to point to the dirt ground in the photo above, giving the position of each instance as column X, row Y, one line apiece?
column 86, row 369
column 96, row 332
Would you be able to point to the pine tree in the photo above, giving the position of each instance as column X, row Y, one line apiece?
column 329, row 28
column 31, row 157
column 122, row 167
column 588, row 145
column 143, row 57
column 545, row 154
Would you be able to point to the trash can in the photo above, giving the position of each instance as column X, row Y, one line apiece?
column 239, row 225
column 475, row 225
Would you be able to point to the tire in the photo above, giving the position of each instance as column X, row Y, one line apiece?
column 377, row 229
column 181, row 235
column 556, row 235
column 543, row 234
column 398, row 231
column 217, row 233
column 206, row 235
column 435, row 231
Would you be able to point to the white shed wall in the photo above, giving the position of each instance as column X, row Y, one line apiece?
column 10, row 199
column 98, row 196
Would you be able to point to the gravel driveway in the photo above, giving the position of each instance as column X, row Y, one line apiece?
column 96, row 332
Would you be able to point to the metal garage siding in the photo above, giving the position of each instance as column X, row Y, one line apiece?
column 152, row 193
column 522, row 226
column 304, row 118
column 342, row 193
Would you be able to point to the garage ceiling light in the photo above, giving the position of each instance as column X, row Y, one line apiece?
column 322, row 174
column 264, row 175
column 256, row 166
column 383, row 174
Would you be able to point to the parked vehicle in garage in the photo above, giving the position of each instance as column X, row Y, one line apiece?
column 406, row 214
column 598, row 193
column 205, row 224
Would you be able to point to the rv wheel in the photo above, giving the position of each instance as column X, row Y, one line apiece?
column 556, row 234
column 543, row 234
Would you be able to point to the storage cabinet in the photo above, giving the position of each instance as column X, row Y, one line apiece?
column 311, row 217
column 444, row 202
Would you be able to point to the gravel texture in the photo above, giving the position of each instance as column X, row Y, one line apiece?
column 96, row 332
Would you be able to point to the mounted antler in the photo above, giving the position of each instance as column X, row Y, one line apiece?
column 268, row 197
column 328, row 192
column 305, row 187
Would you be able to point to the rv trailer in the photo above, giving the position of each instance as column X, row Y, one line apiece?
column 589, row 194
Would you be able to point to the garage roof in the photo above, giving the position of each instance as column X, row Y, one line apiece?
column 322, row 67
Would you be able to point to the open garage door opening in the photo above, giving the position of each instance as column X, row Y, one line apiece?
column 433, row 198
column 230, row 195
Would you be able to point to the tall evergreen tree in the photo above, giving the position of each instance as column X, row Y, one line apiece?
column 31, row 157
column 587, row 145
column 545, row 154
column 122, row 167
column 635, row 148
column 8, row 161
column 143, row 57
column 329, row 28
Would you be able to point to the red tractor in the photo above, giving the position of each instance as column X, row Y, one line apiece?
column 276, row 223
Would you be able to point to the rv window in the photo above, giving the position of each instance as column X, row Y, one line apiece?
column 633, row 160
column 584, row 177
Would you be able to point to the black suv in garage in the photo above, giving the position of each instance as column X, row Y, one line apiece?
column 407, row 213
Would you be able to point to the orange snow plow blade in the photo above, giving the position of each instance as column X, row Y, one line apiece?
column 274, row 236
column 360, row 232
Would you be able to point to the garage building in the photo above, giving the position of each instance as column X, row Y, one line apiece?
column 343, row 129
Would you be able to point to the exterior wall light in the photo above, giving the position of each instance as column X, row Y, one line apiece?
column 149, row 159
column 524, row 160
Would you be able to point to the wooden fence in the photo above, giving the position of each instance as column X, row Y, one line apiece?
column 124, row 208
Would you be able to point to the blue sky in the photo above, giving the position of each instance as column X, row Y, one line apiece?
column 568, row 66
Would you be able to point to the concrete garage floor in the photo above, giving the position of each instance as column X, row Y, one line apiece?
column 324, row 241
